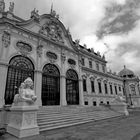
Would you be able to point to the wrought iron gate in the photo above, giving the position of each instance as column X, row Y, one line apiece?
column 50, row 85
column 72, row 87
column 19, row 69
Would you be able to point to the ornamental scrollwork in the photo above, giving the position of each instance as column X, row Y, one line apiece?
column 63, row 57
column 52, row 56
column 30, row 118
column 23, row 47
column 52, row 30
column 72, row 63
column 39, row 50
column 6, row 38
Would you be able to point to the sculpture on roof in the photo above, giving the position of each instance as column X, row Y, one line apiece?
column 77, row 41
column 2, row 6
column 53, row 13
column 35, row 15
column 11, row 7
column 26, row 93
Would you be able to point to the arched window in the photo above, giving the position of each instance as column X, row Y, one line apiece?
column 19, row 69
column 72, row 87
column 50, row 85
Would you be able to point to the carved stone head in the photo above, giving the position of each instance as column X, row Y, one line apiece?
column 29, row 83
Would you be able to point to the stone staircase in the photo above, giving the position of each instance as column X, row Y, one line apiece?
column 52, row 117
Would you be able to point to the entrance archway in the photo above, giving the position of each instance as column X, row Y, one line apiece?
column 19, row 69
column 50, row 85
column 72, row 87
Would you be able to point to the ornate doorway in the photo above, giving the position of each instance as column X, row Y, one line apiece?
column 72, row 88
column 19, row 69
column 50, row 85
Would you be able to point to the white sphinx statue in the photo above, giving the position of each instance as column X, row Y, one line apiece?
column 26, row 93
column 120, row 99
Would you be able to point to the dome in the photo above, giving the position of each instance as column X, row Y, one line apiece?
column 126, row 73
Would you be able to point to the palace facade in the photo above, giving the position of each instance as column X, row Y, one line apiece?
column 63, row 71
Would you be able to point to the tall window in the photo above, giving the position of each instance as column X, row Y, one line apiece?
column 119, row 88
column 83, row 61
column 50, row 85
column 92, row 86
column 111, row 91
column 19, row 69
column 100, row 88
column 103, row 68
column 97, row 66
column 90, row 64
column 116, row 90
column 84, row 85
column 105, row 85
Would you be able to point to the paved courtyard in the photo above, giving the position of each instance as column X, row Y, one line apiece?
column 112, row 129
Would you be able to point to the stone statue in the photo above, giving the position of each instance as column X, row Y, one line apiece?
column 35, row 15
column 119, row 99
column 11, row 7
column 26, row 93
column 2, row 6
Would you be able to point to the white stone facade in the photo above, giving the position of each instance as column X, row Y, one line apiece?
column 34, row 38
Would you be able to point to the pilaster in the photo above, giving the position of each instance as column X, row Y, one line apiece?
column 81, row 96
column 3, row 76
column 63, row 90
column 38, row 86
column 63, row 101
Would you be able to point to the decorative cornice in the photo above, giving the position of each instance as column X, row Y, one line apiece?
column 4, row 64
column 101, row 73
column 92, row 78
column 84, row 76
column 92, row 55
column 99, row 96
column 38, row 71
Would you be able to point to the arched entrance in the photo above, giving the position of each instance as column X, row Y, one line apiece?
column 50, row 85
column 72, row 87
column 19, row 69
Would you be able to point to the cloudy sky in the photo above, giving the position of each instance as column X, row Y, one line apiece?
column 109, row 26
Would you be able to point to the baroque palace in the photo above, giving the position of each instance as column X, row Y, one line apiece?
column 63, row 71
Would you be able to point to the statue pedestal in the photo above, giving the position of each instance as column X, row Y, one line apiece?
column 23, row 120
column 120, row 107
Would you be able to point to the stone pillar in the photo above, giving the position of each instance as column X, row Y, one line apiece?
column 81, row 95
column 38, row 86
column 63, row 101
column 3, row 76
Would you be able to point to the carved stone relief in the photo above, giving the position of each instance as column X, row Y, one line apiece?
column 92, row 78
column 23, row 47
column 52, row 30
column 52, row 56
column 6, row 38
column 30, row 118
column 63, row 57
column 39, row 50
column 72, row 63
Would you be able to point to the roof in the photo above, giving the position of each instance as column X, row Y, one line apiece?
column 126, row 72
